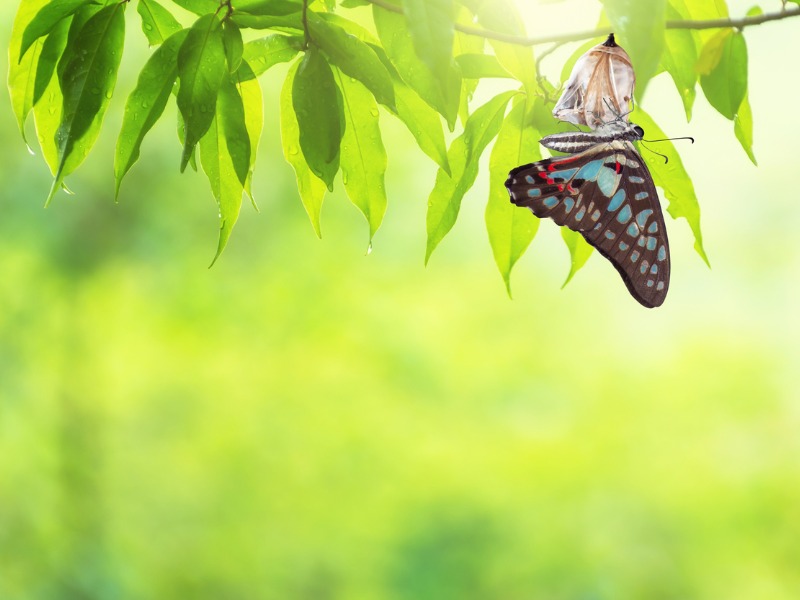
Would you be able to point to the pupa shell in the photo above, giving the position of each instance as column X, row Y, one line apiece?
column 600, row 87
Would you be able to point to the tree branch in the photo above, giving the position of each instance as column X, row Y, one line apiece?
column 585, row 35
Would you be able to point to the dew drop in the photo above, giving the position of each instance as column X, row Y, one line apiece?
column 374, row 112
column 369, row 248
column 30, row 150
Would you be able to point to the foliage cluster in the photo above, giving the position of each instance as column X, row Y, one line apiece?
column 420, row 60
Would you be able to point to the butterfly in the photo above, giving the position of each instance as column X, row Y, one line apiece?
column 599, row 88
column 604, row 191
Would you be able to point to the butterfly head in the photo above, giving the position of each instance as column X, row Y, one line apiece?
column 621, row 130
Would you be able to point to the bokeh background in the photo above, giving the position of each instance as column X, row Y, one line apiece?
column 305, row 421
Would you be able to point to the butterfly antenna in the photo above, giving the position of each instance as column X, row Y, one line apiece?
column 664, row 156
column 691, row 139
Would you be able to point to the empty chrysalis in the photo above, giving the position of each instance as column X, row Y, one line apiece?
column 600, row 87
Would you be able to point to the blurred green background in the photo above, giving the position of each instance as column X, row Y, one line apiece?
column 304, row 421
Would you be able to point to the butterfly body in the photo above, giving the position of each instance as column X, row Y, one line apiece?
column 604, row 191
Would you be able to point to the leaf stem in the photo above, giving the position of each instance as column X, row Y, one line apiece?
column 585, row 35
column 306, row 32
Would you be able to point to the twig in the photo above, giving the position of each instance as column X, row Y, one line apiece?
column 585, row 35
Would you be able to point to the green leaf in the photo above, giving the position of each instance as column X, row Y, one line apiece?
column 266, row 52
column 579, row 252
column 90, row 64
column 503, row 16
column 225, row 156
column 271, row 8
column 47, row 117
column 726, row 85
column 199, row 7
column 363, row 157
column 182, row 137
column 467, row 45
column 318, row 104
column 47, row 18
column 146, row 102
column 311, row 187
column 157, row 22
column 640, row 27
column 22, row 70
column 234, row 45
column 354, row 58
column 430, row 25
column 673, row 179
column 756, row 11
column 420, row 119
column 712, row 51
column 702, row 11
column 51, row 53
column 443, row 96
column 511, row 229
column 290, row 23
column 253, row 104
column 201, row 69
column 349, row 26
column 444, row 202
column 679, row 59
column 479, row 66
column 542, row 119
column 743, row 128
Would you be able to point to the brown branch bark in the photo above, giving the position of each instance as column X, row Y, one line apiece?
column 586, row 35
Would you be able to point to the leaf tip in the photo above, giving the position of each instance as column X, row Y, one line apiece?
column 507, row 280
column 57, row 183
column 698, row 246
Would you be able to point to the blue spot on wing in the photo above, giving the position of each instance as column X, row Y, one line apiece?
column 534, row 193
column 617, row 200
column 564, row 175
column 569, row 203
column 642, row 217
column 590, row 170
column 607, row 181
column 550, row 202
column 625, row 214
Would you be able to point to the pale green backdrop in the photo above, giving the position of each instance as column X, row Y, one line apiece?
column 304, row 421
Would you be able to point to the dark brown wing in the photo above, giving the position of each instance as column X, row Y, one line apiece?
column 607, row 194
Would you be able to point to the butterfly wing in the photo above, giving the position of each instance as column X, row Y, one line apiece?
column 607, row 194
